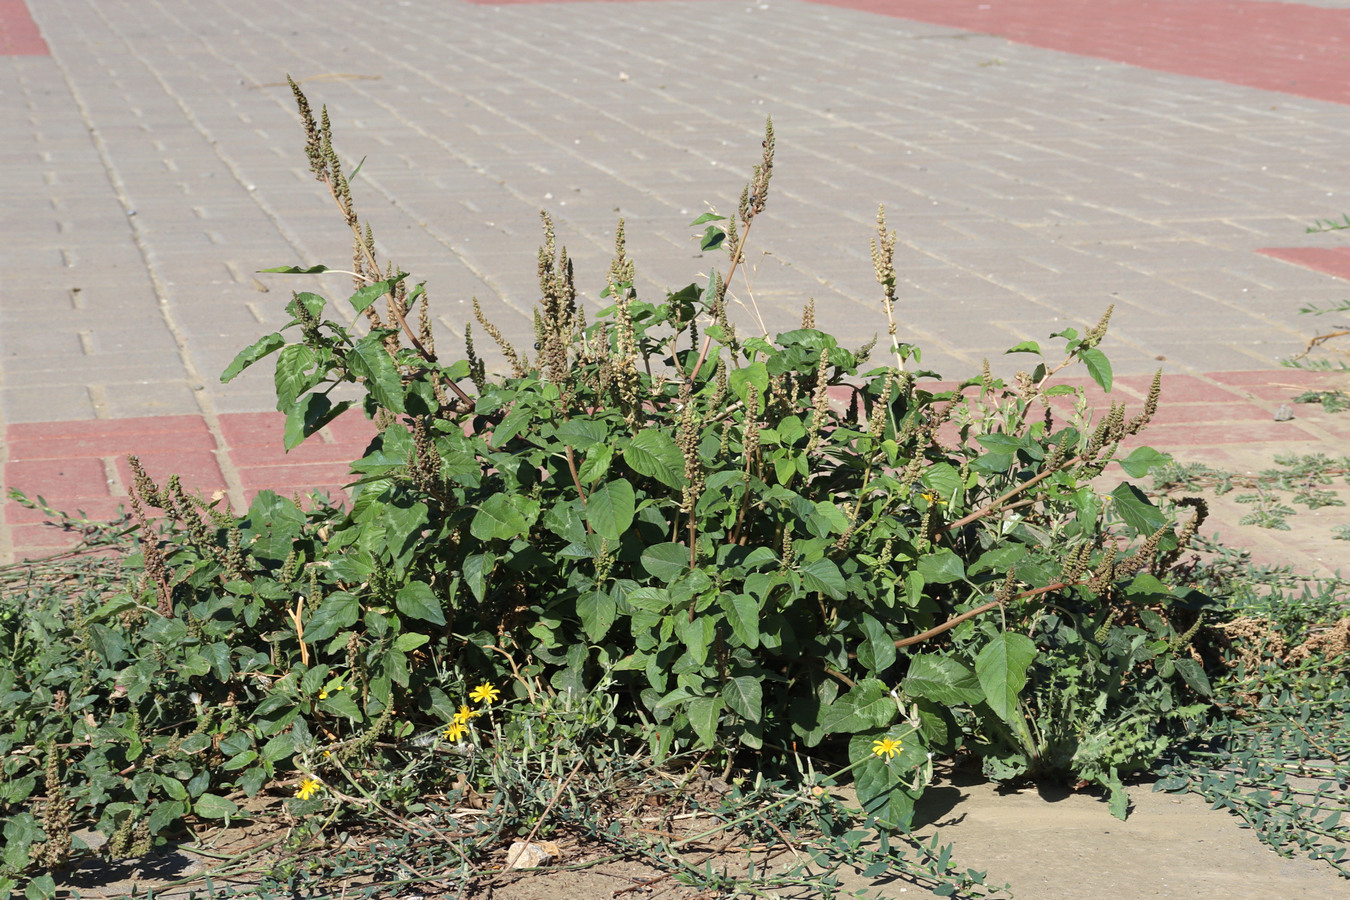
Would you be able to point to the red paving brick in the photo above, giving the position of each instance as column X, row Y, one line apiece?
column 1334, row 261
column 66, row 462
column 1286, row 47
column 19, row 34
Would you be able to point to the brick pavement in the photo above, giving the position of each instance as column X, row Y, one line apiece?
column 1040, row 159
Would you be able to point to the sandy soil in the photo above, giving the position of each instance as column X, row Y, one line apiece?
column 1048, row 844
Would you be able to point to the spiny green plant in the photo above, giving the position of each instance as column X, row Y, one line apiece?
column 1301, row 479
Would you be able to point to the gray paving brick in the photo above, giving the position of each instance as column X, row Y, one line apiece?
column 1027, row 186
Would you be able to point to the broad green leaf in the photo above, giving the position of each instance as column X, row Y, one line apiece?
column 707, row 217
column 597, row 610
column 666, row 562
column 293, row 376
column 274, row 524
column 654, row 453
column 419, row 601
column 211, row 806
column 697, row 634
column 943, row 679
column 755, row 373
column 596, row 464
column 308, row 416
column 998, row 560
column 477, row 569
column 410, row 641
column 1138, row 463
column 742, row 611
column 370, row 361
column 744, row 696
column 1098, row 366
column 312, row 303
column 877, row 652
column 1193, row 674
column 338, row 610
column 704, row 713
column 296, row 270
column 610, row 509
column 823, row 575
column 1025, row 347
column 582, row 434
column 497, row 518
column 372, row 292
column 942, row 567
column 266, row 344
column 1136, row 510
column 943, row 479
column 1002, row 671
column 712, row 238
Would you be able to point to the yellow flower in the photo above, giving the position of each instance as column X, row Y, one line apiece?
column 323, row 695
column 464, row 714
column 886, row 747
column 484, row 693
column 932, row 497
column 455, row 730
column 308, row 788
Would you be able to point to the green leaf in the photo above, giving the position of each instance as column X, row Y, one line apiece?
column 1136, row 510
column 823, row 575
column 477, row 569
column 308, row 416
column 497, row 518
column 411, row 641
column 370, row 361
column 1002, row 671
column 338, row 610
column 597, row 610
column 744, row 696
column 610, row 509
column 296, row 270
column 266, row 344
column 742, row 611
column 655, row 454
column 943, row 679
column 582, row 434
column 596, row 464
column 293, row 376
column 372, row 292
column 41, row 887
column 877, row 652
column 943, row 479
column 755, row 373
column 1193, row 674
column 712, row 238
column 666, row 562
column 704, row 713
column 942, row 567
column 1025, row 347
column 1098, row 366
column 707, row 217
column 1138, row 463
column 419, row 601
column 211, row 806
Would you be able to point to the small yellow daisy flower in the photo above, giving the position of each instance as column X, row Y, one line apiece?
column 308, row 788
column 323, row 695
column 455, row 731
column 886, row 747
column 464, row 714
column 484, row 693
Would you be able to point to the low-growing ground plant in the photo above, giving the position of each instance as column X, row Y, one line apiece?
column 706, row 548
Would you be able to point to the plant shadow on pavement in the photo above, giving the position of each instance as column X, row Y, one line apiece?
column 665, row 594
